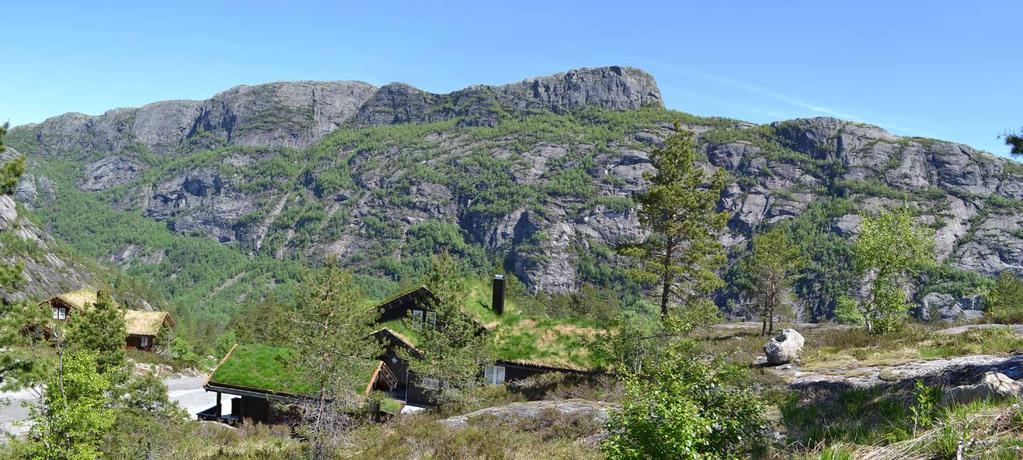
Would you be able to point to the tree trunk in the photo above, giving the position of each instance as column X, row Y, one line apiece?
column 669, row 247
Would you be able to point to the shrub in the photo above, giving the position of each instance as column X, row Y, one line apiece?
column 1006, row 300
column 847, row 311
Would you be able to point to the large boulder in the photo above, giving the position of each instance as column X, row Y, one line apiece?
column 993, row 385
column 784, row 348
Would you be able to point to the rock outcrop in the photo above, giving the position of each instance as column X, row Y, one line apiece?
column 993, row 385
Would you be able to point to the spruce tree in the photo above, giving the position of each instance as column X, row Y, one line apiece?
column 679, row 209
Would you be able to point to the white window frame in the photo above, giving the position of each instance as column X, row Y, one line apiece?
column 143, row 341
column 417, row 319
column 431, row 319
column 494, row 375
column 59, row 313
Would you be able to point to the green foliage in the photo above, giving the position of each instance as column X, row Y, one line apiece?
column 679, row 208
column 773, row 267
column 830, row 272
column 1016, row 142
column 453, row 347
column 330, row 337
column 925, row 405
column 847, row 311
column 147, row 421
column 686, row 408
column 75, row 415
column 99, row 330
column 889, row 248
column 1005, row 303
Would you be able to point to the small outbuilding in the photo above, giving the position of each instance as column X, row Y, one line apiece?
column 145, row 327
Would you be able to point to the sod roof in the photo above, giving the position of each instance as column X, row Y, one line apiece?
column 271, row 369
column 79, row 299
column 518, row 337
column 146, row 322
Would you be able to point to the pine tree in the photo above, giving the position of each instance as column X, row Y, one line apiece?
column 22, row 323
column 100, row 329
column 679, row 209
column 454, row 348
column 330, row 336
column 772, row 268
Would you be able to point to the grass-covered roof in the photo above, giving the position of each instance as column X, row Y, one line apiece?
column 519, row 337
column 271, row 369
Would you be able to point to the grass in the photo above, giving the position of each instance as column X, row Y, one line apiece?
column 269, row 368
column 829, row 347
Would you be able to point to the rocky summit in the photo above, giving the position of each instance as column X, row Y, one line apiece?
column 535, row 176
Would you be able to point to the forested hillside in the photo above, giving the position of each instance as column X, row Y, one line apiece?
column 222, row 200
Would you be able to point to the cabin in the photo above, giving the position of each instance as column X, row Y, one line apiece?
column 63, row 305
column 261, row 386
column 144, row 328
column 402, row 317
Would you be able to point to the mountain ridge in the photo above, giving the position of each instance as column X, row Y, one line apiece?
column 535, row 176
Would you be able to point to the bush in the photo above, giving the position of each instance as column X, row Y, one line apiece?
column 686, row 408
column 1006, row 300
column 847, row 311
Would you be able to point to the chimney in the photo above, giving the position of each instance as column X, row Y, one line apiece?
column 498, row 301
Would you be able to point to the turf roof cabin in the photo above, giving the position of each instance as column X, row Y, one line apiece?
column 525, row 347
column 144, row 328
column 265, row 382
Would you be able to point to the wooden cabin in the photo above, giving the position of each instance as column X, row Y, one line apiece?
column 64, row 305
column 145, row 328
column 262, row 385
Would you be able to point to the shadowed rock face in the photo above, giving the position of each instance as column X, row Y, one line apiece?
column 243, row 198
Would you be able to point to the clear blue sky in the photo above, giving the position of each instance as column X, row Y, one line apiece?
column 943, row 69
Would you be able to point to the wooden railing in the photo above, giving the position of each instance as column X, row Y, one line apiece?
column 388, row 377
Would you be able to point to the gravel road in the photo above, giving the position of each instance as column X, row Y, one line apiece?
column 187, row 391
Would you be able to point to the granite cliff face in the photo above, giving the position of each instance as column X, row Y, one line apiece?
column 537, row 174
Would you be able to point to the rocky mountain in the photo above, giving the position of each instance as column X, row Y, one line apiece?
column 536, row 176
column 47, row 266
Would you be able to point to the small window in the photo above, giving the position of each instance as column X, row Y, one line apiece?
column 59, row 313
column 494, row 375
column 144, row 341
column 417, row 319
column 431, row 319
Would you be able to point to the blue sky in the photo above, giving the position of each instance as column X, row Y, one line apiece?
column 943, row 69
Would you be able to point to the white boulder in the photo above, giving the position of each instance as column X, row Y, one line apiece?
column 784, row 348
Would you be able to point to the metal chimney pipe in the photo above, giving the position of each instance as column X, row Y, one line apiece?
column 498, row 299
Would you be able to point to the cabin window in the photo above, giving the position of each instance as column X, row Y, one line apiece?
column 59, row 313
column 494, row 374
column 431, row 383
column 431, row 319
column 144, row 341
column 417, row 319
